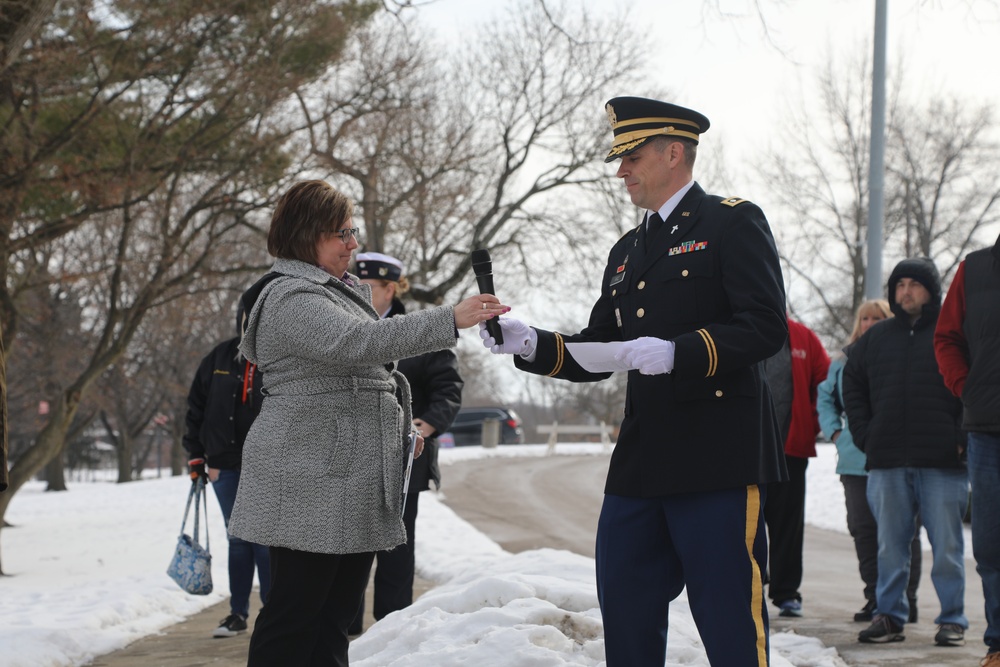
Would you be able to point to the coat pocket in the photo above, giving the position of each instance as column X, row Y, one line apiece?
column 318, row 436
column 683, row 287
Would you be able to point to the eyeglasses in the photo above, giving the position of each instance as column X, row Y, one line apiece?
column 346, row 233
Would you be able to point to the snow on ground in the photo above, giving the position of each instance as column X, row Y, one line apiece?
column 87, row 576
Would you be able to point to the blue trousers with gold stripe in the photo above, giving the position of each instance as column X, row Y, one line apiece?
column 649, row 549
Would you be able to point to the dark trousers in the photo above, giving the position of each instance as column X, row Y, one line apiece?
column 313, row 599
column 785, row 514
column 393, row 572
column 649, row 549
column 863, row 528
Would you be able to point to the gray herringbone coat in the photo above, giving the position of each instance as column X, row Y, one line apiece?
column 323, row 463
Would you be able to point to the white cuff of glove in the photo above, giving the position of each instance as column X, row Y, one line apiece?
column 648, row 355
column 518, row 338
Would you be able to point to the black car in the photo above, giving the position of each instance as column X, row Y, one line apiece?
column 467, row 428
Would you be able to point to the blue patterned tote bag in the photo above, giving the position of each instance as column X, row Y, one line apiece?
column 191, row 566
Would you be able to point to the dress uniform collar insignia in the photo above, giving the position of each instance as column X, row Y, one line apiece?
column 673, row 229
column 688, row 246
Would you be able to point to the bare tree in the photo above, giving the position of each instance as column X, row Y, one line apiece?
column 152, row 134
column 939, row 193
column 948, row 185
column 820, row 179
column 449, row 156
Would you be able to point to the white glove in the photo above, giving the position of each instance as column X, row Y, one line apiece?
column 650, row 356
column 518, row 337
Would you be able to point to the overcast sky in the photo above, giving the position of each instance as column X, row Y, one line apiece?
column 723, row 63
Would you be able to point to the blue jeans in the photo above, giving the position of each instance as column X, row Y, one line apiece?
column 984, row 473
column 242, row 554
column 940, row 497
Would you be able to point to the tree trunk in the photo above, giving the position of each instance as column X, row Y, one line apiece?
column 49, row 443
column 55, row 473
column 19, row 22
column 125, row 446
column 178, row 456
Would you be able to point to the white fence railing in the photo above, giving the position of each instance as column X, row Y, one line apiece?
column 555, row 429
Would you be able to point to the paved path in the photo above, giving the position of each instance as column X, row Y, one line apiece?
column 190, row 643
column 527, row 503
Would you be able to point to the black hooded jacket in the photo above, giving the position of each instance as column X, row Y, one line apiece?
column 224, row 399
column 900, row 411
column 436, row 390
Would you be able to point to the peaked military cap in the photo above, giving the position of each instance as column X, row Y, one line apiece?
column 635, row 120
column 378, row 265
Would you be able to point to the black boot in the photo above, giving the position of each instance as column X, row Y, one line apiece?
column 865, row 615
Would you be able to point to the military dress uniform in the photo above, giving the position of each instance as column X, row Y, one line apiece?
column 684, row 491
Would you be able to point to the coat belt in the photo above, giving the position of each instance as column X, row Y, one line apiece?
column 329, row 385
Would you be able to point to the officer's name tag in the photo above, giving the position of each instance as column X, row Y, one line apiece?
column 618, row 277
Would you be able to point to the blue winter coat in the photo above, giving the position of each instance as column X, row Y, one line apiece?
column 829, row 404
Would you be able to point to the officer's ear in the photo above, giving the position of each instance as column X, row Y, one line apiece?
column 676, row 153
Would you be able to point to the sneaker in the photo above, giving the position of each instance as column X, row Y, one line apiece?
column 950, row 634
column 991, row 660
column 790, row 609
column 231, row 626
column 865, row 615
column 882, row 631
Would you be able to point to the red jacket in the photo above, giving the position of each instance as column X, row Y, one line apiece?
column 810, row 364
column 950, row 345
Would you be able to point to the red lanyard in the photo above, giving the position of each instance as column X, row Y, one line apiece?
column 248, row 381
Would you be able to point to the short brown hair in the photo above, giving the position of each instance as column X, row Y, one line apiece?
column 308, row 209
column 690, row 147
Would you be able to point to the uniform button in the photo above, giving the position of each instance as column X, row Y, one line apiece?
column 718, row 392
column 640, row 312
column 614, row 292
column 642, row 284
column 684, row 273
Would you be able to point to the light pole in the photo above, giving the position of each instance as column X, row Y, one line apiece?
column 876, row 173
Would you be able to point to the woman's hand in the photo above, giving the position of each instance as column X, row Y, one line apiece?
column 418, row 448
column 478, row 308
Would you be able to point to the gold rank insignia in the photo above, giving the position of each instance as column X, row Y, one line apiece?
column 612, row 116
column 732, row 201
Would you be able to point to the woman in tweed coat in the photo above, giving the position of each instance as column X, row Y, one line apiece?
column 322, row 474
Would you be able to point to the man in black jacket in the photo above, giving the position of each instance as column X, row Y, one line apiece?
column 436, row 393
column 967, row 345
column 907, row 423
column 224, row 400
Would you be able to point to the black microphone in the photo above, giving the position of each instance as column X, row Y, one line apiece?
column 482, row 265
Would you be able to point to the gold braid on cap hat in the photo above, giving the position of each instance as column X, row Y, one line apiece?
column 669, row 129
